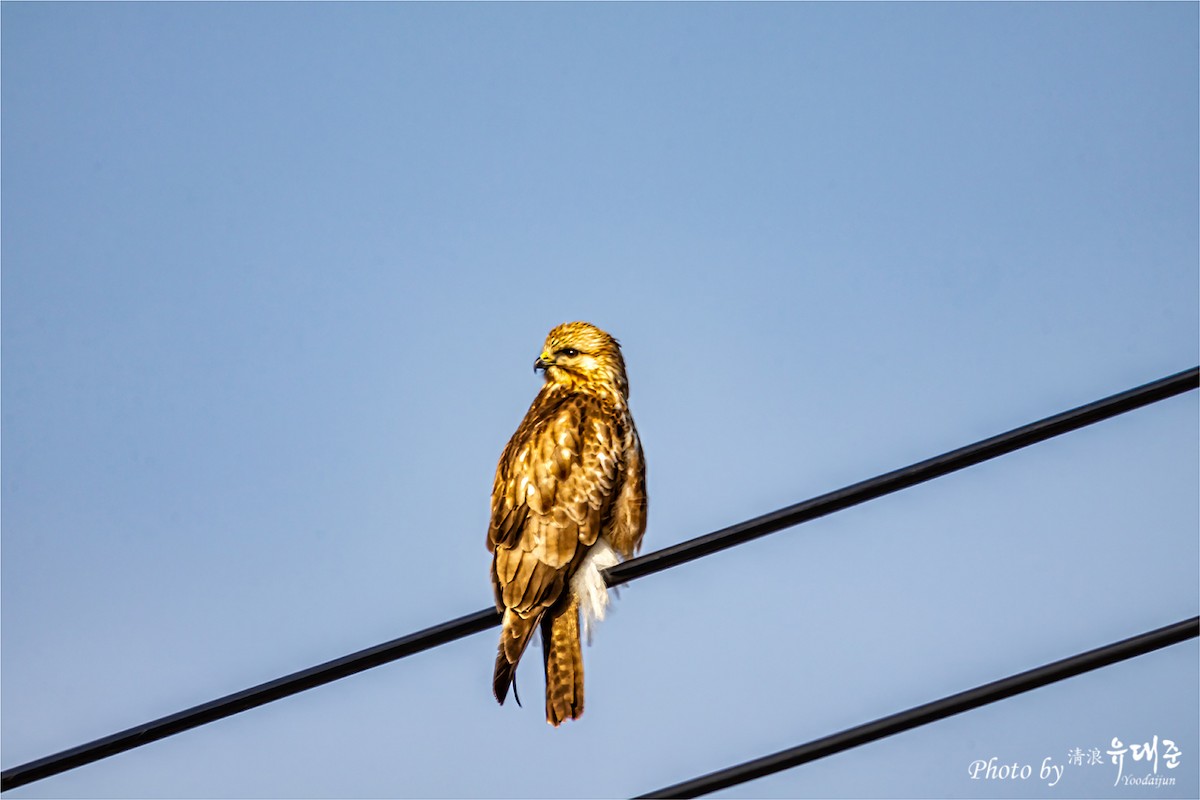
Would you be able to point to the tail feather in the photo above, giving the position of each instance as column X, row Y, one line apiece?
column 563, row 655
column 514, row 638
column 503, row 676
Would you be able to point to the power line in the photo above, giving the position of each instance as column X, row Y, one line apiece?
column 932, row 712
column 648, row 564
column 906, row 477
column 248, row 698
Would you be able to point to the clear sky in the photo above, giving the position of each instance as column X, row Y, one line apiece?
column 274, row 277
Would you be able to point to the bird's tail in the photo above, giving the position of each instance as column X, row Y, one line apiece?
column 514, row 638
column 564, row 663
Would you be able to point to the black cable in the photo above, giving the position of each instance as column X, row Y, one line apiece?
column 908, row 476
column 932, row 712
column 636, row 568
column 249, row 698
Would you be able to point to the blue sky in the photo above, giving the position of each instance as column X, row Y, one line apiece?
column 274, row 276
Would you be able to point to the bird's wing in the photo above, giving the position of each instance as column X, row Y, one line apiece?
column 553, row 484
column 629, row 509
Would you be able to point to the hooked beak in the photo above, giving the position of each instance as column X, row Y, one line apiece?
column 542, row 362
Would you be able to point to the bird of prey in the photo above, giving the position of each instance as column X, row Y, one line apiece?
column 569, row 501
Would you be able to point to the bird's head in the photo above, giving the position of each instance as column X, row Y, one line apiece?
column 580, row 356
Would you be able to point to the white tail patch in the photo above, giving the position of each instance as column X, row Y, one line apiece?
column 588, row 584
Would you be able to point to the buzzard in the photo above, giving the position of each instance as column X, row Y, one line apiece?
column 569, row 501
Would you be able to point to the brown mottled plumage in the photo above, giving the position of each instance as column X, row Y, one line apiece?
column 570, row 481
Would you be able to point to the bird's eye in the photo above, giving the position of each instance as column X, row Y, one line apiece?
column 569, row 352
